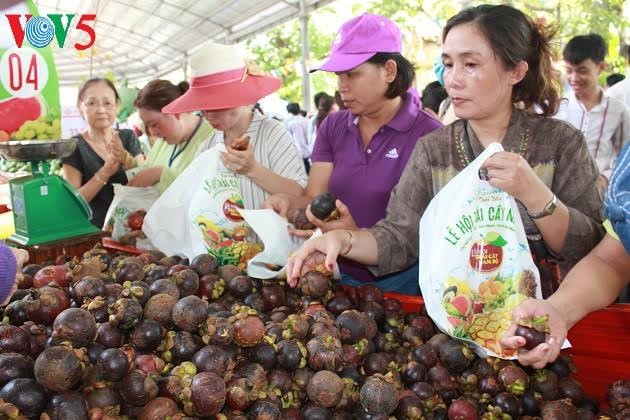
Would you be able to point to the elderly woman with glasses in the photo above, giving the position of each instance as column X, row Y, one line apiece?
column 103, row 154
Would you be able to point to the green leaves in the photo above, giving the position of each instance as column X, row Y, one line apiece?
column 495, row 239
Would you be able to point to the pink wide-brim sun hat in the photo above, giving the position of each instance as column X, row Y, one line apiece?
column 221, row 80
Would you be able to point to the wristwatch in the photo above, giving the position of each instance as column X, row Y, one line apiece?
column 549, row 208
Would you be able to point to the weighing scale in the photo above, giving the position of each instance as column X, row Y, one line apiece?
column 45, row 206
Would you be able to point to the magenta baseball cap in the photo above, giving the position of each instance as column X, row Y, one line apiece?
column 359, row 39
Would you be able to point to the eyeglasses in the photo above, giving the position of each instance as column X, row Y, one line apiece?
column 93, row 104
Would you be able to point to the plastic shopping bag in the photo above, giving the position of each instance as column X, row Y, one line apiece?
column 126, row 213
column 475, row 263
column 199, row 213
column 278, row 245
column 272, row 230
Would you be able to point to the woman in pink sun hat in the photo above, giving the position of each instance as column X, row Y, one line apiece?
column 360, row 152
column 225, row 90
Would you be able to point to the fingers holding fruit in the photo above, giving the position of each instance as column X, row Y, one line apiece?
column 538, row 333
column 240, row 161
column 321, row 252
column 339, row 217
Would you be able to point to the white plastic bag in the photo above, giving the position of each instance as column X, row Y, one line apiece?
column 475, row 262
column 278, row 243
column 127, row 201
column 199, row 213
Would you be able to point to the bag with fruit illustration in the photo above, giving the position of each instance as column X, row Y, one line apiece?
column 475, row 263
column 125, row 215
column 199, row 214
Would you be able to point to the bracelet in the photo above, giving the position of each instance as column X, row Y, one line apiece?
column 343, row 254
column 549, row 208
column 99, row 179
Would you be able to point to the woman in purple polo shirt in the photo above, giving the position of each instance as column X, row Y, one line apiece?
column 361, row 151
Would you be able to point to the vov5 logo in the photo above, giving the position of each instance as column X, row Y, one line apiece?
column 39, row 31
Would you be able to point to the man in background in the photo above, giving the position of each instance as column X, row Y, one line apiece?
column 297, row 125
column 604, row 121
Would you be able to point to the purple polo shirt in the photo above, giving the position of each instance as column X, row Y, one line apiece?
column 363, row 178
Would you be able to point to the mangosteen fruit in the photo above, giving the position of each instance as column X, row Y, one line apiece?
column 189, row 312
column 158, row 408
column 208, row 393
column 67, row 406
column 58, row 368
column 534, row 330
column 26, row 394
column 325, row 388
column 248, row 331
column 112, row 364
column 378, row 395
column 456, row 355
column 204, row 264
column 323, row 206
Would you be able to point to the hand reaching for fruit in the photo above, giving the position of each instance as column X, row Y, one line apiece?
column 548, row 350
column 317, row 252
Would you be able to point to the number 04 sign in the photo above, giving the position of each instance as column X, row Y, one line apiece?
column 23, row 72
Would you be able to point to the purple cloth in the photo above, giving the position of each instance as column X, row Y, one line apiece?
column 359, row 39
column 8, row 267
column 364, row 178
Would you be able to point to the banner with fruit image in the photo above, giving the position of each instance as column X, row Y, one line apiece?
column 475, row 262
column 29, row 87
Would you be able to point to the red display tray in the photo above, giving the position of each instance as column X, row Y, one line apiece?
column 113, row 245
column 600, row 344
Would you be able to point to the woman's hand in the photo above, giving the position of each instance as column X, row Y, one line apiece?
column 343, row 221
column 322, row 250
column 146, row 177
column 543, row 353
column 112, row 163
column 116, row 147
column 279, row 203
column 240, row 161
column 511, row 173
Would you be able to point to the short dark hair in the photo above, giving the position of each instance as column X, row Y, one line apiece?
column 156, row 94
column 432, row 96
column 405, row 73
column 317, row 97
column 293, row 108
column 583, row 47
column 514, row 37
column 614, row 78
column 93, row 81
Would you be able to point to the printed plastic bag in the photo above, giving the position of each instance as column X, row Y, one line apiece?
column 126, row 213
column 278, row 243
column 475, row 263
column 199, row 213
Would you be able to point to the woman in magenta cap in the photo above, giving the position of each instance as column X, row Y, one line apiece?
column 361, row 151
column 494, row 57
column 225, row 91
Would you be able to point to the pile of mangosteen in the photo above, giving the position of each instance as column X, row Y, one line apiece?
column 154, row 337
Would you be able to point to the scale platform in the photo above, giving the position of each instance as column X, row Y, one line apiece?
column 46, row 207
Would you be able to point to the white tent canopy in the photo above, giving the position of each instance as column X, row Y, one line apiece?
column 139, row 40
